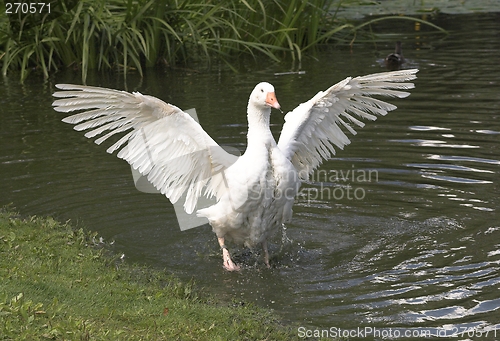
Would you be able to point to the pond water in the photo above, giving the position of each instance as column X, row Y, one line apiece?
column 415, row 244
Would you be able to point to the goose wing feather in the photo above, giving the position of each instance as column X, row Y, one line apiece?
column 162, row 142
column 314, row 129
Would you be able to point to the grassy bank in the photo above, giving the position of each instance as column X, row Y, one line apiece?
column 56, row 283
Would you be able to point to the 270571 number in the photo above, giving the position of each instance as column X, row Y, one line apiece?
column 27, row 7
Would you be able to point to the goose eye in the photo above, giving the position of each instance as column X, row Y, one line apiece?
column 262, row 90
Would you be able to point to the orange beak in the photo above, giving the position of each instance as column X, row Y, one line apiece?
column 272, row 101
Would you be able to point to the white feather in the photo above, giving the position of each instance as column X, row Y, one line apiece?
column 313, row 129
column 165, row 144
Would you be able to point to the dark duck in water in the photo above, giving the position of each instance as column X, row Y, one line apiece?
column 394, row 60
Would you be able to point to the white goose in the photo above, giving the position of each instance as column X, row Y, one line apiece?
column 255, row 192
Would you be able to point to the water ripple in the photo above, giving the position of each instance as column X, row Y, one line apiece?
column 463, row 158
column 455, row 179
column 435, row 143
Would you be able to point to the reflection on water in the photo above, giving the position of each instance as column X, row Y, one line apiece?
column 420, row 248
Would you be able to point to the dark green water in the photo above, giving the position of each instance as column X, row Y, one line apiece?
column 416, row 245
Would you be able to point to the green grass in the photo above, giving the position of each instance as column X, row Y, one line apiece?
column 129, row 35
column 57, row 284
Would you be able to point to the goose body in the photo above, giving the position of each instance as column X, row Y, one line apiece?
column 262, row 186
column 256, row 191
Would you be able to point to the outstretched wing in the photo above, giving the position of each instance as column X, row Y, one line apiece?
column 161, row 141
column 313, row 129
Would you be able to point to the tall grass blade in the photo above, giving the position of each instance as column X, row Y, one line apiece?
column 130, row 35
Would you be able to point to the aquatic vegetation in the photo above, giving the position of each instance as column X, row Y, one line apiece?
column 134, row 34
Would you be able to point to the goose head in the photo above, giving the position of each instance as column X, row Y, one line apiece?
column 263, row 97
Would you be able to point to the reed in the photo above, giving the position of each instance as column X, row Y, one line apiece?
column 133, row 34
